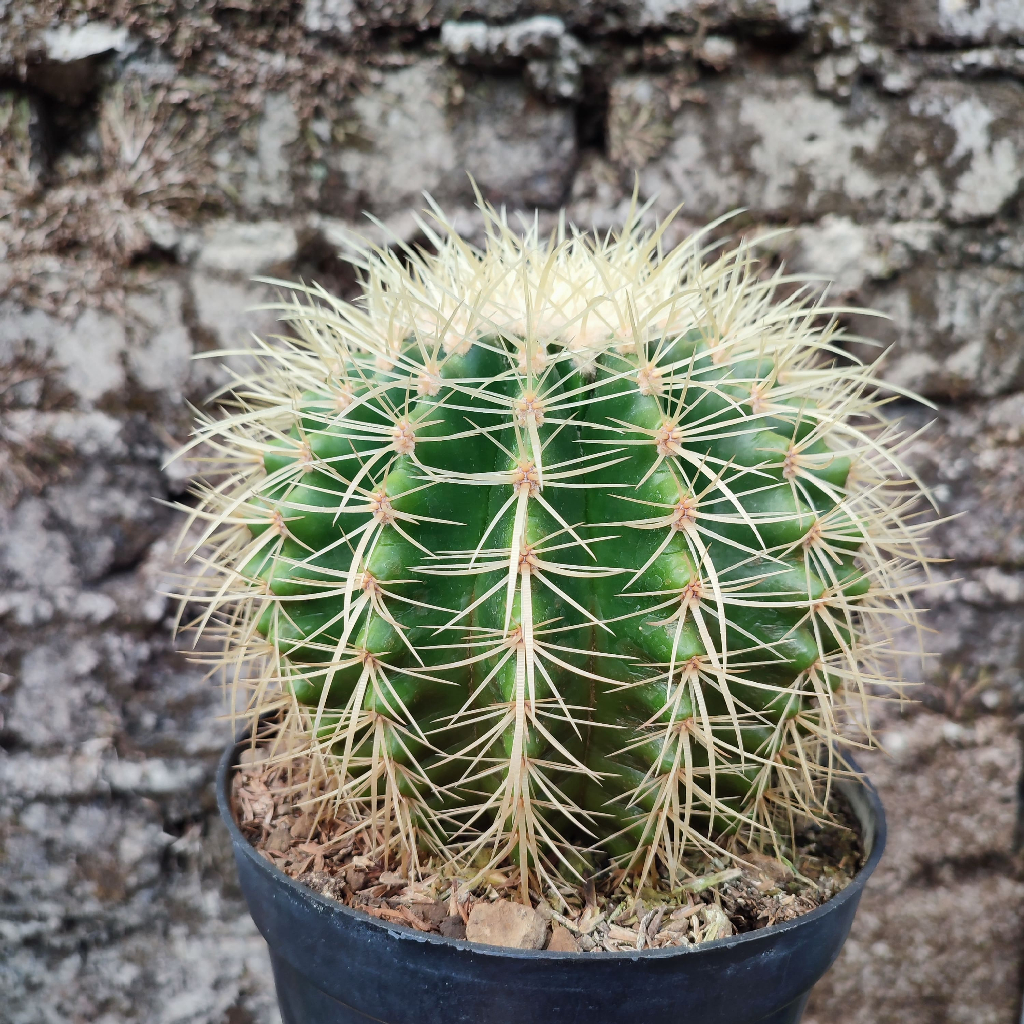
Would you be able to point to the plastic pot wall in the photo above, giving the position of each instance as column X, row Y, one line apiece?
column 333, row 965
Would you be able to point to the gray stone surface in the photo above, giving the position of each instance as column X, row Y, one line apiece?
column 774, row 146
column 517, row 146
column 938, row 935
column 267, row 179
column 411, row 149
column 956, row 21
column 240, row 248
column 330, row 17
column 147, row 173
column 160, row 355
column 551, row 57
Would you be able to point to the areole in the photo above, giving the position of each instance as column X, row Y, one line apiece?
column 334, row 965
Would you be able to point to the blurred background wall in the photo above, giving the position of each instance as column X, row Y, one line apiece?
column 155, row 156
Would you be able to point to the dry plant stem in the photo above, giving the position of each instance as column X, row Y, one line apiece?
column 558, row 551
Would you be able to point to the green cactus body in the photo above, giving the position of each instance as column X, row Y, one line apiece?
column 557, row 547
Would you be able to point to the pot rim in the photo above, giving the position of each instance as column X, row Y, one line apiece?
column 860, row 785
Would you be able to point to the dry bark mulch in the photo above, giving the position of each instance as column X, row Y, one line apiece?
column 331, row 856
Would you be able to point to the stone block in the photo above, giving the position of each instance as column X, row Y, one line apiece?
column 778, row 149
column 68, row 43
column 226, row 316
column 88, row 351
column 476, row 42
column 33, row 554
column 160, row 349
column 855, row 255
column 90, row 434
column 551, row 57
column 520, row 149
column 58, row 699
column 26, row 330
column 975, row 639
column 268, row 175
column 409, row 145
column 958, row 21
column 953, row 329
column 785, row 17
column 26, row 777
column 328, row 17
column 956, row 333
column 92, row 353
column 972, row 457
column 239, row 248
column 936, row 929
column 108, row 512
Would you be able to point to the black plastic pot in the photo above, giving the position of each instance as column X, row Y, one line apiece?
column 333, row 965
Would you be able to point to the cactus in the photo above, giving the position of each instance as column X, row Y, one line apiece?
column 560, row 546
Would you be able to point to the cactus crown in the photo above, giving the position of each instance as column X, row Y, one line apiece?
column 559, row 545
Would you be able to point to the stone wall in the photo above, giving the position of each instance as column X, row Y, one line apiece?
column 153, row 158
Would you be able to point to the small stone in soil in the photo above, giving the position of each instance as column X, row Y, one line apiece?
column 504, row 923
column 430, row 913
column 302, row 826
column 453, row 928
column 323, row 883
column 280, row 841
column 769, row 866
column 355, row 878
column 562, row 940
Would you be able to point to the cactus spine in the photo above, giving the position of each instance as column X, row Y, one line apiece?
column 559, row 545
